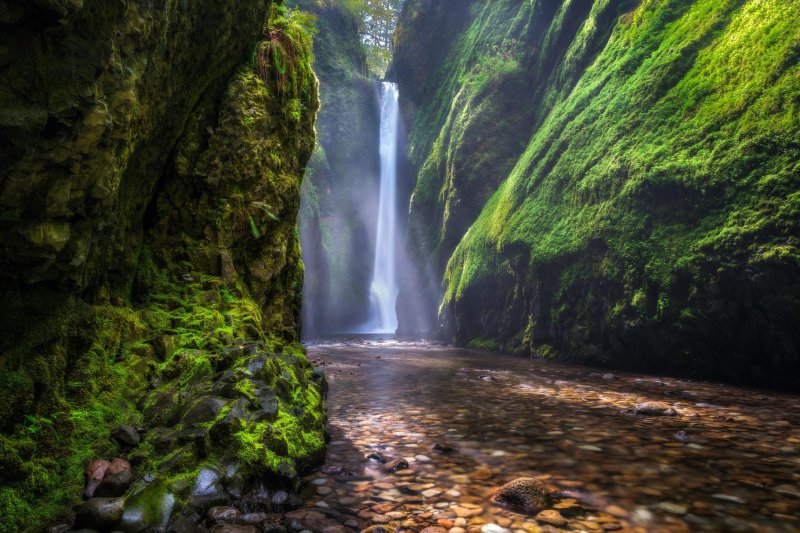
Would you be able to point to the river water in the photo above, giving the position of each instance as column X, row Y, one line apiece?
column 736, row 469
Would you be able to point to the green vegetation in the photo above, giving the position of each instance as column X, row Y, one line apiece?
column 377, row 21
column 655, row 205
column 157, row 294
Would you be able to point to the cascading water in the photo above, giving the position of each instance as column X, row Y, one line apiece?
column 384, row 288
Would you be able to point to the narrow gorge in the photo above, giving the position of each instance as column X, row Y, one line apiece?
column 438, row 266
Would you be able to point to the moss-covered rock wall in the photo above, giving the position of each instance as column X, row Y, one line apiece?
column 340, row 194
column 610, row 182
column 151, row 158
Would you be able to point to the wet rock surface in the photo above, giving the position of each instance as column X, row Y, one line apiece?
column 99, row 513
column 569, row 427
column 525, row 495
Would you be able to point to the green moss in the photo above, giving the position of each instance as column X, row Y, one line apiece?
column 659, row 169
column 16, row 512
column 180, row 282
column 484, row 344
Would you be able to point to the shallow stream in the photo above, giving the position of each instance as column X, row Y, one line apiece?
column 735, row 467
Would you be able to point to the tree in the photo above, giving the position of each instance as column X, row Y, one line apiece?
column 378, row 20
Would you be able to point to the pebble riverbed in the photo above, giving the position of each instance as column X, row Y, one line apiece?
column 734, row 467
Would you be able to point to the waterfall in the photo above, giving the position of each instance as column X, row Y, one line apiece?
column 384, row 288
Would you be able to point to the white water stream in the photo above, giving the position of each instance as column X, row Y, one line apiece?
column 384, row 288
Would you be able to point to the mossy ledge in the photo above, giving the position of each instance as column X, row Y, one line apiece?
column 152, row 164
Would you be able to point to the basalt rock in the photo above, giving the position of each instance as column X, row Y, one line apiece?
column 126, row 435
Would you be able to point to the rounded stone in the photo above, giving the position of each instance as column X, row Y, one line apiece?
column 526, row 495
column 99, row 513
column 126, row 435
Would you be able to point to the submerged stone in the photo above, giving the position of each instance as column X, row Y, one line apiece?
column 526, row 494
column 654, row 409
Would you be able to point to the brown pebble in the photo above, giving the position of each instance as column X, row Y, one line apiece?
column 552, row 517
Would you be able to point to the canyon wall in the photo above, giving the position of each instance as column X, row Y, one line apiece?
column 151, row 159
column 608, row 182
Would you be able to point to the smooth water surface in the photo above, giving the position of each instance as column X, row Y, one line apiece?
column 571, row 426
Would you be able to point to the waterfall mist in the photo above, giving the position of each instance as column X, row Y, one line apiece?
column 353, row 218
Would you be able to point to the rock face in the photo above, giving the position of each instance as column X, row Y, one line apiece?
column 340, row 193
column 152, row 157
column 526, row 495
column 585, row 190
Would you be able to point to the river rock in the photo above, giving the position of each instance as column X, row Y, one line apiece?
column 494, row 528
column 95, row 472
column 280, row 498
column 654, row 409
column 681, row 436
column 148, row 509
column 208, row 491
column 253, row 518
column 552, row 517
column 526, row 494
column 99, row 513
column 223, row 515
column 114, row 485
column 443, row 447
column 184, row 524
column 377, row 457
column 233, row 528
column 126, row 435
column 397, row 464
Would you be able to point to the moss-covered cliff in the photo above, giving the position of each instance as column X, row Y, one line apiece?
column 612, row 182
column 338, row 213
column 150, row 264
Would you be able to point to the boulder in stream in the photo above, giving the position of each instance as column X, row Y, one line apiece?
column 526, row 495
column 654, row 409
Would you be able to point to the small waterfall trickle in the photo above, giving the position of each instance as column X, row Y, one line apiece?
column 384, row 288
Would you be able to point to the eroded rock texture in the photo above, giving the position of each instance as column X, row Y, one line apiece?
column 151, row 158
column 600, row 181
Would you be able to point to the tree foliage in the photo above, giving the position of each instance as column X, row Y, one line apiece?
column 377, row 22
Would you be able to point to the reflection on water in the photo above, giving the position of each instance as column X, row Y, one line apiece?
column 736, row 467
